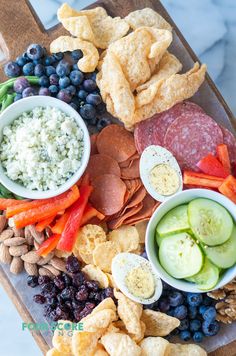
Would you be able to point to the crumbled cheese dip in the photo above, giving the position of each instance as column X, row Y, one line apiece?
column 140, row 282
column 164, row 179
column 42, row 148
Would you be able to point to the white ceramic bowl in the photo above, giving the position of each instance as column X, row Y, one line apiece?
column 27, row 104
column 151, row 246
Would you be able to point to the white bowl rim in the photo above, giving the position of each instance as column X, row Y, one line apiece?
column 27, row 104
column 186, row 195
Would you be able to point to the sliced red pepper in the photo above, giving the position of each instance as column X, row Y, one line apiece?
column 35, row 215
column 228, row 188
column 211, row 165
column 89, row 213
column 223, row 155
column 68, row 236
column 40, row 226
column 201, row 179
column 48, row 245
column 6, row 203
column 60, row 223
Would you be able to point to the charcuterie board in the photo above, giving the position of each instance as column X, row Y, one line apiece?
column 29, row 30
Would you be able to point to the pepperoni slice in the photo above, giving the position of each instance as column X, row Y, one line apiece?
column 100, row 164
column 116, row 142
column 132, row 171
column 93, row 141
column 191, row 137
column 230, row 141
column 108, row 193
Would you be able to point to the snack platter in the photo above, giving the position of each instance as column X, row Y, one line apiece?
column 123, row 167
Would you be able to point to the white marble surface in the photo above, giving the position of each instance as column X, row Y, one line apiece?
column 210, row 28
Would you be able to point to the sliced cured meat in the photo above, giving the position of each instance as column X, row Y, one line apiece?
column 117, row 222
column 191, row 137
column 132, row 171
column 108, row 193
column 116, row 142
column 102, row 164
column 148, row 207
column 152, row 131
column 230, row 141
column 128, row 162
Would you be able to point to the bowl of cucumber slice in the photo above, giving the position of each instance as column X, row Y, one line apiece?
column 191, row 240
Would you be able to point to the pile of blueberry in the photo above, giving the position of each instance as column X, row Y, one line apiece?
column 60, row 78
column 68, row 296
column 196, row 312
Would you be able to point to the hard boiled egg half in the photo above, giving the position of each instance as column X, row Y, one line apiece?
column 135, row 277
column 160, row 172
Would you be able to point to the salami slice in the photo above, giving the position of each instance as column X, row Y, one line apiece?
column 191, row 137
column 230, row 141
column 153, row 130
column 102, row 164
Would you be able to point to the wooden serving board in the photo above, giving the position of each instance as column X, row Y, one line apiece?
column 20, row 26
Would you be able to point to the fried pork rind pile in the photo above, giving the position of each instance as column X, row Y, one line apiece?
column 120, row 330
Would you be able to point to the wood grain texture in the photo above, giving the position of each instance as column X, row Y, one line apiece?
column 19, row 26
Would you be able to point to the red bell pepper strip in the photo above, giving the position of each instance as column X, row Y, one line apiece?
column 211, row 165
column 35, row 215
column 228, row 188
column 48, row 245
column 40, row 226
column 89, row 213
column 60, row 223
column 6, row 203
column 201, row 179
column 223, row 155
column 68, row 236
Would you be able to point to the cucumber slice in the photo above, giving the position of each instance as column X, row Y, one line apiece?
column 210, row 222
column 176, row 220
column 159, row 239
column 180, row 256
column 223, row 256
column 207, row 278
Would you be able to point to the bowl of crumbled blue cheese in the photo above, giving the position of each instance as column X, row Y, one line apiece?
column 44, row 147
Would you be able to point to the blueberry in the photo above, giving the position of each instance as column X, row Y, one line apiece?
column 76, row 77
column 39, row 70
column 89, row 85
column 192, row 312
column 74, row 106
column 198, row 336
column 17, row 97
column 44, row 81
column 71, row 89
column 184, row 324
column 44, row 91
column 53, row 89
column 32, row 281
column 202, row 309
column 50, row 70
column 38, row 61
column 180, row 312
column 176, row 298
column 21, row 60
column 210, row 329
column 101, row 108
column 164, row 305
column 64, row 82
column 170, row 312
column 63, row 68
column 185, row 335
column 28, row 69
column 103, row 122
column 87, row 111
column 12, row 69
column 92, row 76
column 54, row 79
column 49, row 60
column 194, row 299
column 75, row 66
column 58, row 56
column 82, row 94
column 207, row 300
column 20, row 84
column 28, row 92
column 76, row 54
column 35, row 51
column 209, row 314
column 64, row 96
column 94, row 99
column 195, row 325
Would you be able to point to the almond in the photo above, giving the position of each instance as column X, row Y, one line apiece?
column 6, row 234
column 31, row 257
column 36, row 245
column 58, row 263
column 31, row 268
column 27, row 232
column 3, row 221
column 38, row 236
column 5, row 256
column 17, row 265
column 30, row 240
column 45, row 260
column 54, row 271
column 14, row 241
column 18, row 232
column 45, row 272
column 17, row 251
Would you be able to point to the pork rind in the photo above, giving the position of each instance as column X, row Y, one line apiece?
column 141, row 228
column 99, row 321
column 100, row 351
column 62, row 338
column 158, row 324
column 118, row 344
column 147, row 17
column 107, row 303
column 126, row 237
column 88, row 62
column 84, row 343
column 149, row 344
column 55, row 352
column 185, row 350
column 96, row 274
